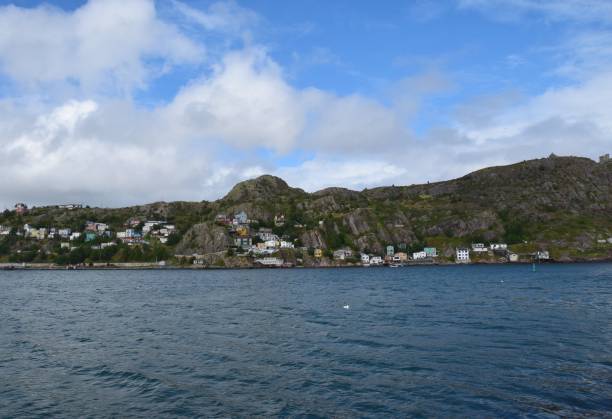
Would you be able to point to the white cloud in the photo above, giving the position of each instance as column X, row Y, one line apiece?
column 103, row 43
column 582, row 11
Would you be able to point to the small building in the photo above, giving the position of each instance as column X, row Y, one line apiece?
column 75, row 235
column 241, row 218
column 431, row 252
column 242, row 230
column 542, row 255
column 64, row 245
column 266, row 234
column 243, row 242
column 400, row 257
column 499, row 246
column 343, row 254
column 279, row 220
column 64, row 233
column 90, row 236
column 270, row 261
column 21, row 208
column 605, row 158
column 286, row 245
column 513, row 257
column 70, row 207
column 419, row 255
column 365, row 259
column 318, row 253
column 376, row 260
column 390, row 251
column 221, row 219
column 462, row 255
column 479, row 247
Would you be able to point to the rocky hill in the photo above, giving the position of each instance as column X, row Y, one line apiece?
column 563, row 204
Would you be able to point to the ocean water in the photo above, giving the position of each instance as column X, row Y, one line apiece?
column 470, row 341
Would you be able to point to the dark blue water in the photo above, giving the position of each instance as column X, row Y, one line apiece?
column 474, row 341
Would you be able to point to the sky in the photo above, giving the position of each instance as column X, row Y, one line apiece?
column 121, row 102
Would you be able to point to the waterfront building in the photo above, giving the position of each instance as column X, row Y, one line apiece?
column 462, row 255
column 431, row 252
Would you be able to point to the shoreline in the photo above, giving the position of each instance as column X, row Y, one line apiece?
column 153, row 266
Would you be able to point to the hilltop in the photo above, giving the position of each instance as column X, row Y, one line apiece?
column 561, row 204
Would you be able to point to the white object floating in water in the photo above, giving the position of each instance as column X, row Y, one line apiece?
column 346, row 306
column 502, row 281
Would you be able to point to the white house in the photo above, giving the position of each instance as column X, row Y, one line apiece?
column 419, row 255
column 266, row 234
column 286, row 245
column 513, row 257
column 499, row 246
column 543, row 255
column 479, row 247
column 365, row 259
column 75, row 235
column 342, row 254
column 376, row 260
column 64, row 233
column 462, row 255
column 269, row 261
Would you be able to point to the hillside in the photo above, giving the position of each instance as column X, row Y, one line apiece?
column 562, row 204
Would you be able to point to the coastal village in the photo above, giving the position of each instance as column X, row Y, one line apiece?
column 252, row 244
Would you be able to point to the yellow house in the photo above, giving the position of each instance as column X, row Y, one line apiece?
column 318, row 253
column 242, row 231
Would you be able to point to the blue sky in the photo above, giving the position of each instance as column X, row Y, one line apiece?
column 201, row 94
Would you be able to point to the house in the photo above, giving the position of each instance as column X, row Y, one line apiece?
column 318, row 253
column 602, row 241
column 605, row 158
column 101, row 227
column 431, row 252
column 70, row 207
column 90, row 236
column 419, row 255
column 21, row 208
column 75, row 235
column 462, row 255
column 365, row 259
column 342, row 254
column 243, row 242
column 64, row 245
column 376, row 260
column 5, row 230
column 241, row 218
column 479, row 247
column 64, row 233
column 542, row 255
column 270, row 261
column 286, row 245
column 400, row 257
column 499, row 246
column 513, row 257
column 109, row 244
column 150, row 225
column 266, row 234
column 279, row 220
column 390, row 251
column 221, row 219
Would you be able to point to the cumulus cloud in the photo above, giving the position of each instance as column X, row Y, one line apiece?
column 104, row 42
